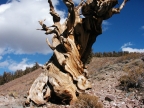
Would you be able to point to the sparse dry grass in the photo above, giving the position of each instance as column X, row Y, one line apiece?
column 133, row 72
column 129, row 56
column 87, row 101
column 13, row 94
column 134, row 77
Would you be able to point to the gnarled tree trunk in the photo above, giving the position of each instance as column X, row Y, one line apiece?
column 65, row 73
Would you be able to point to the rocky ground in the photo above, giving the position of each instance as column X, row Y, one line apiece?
column 12, row 94
column 106, row 87
column 104, row 74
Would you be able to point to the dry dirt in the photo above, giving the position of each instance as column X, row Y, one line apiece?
column 12, row 94
column 104, row 74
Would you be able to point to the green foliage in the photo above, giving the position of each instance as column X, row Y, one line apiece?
column 105, row 54
column 122, row 54
column 110, row 54
column 9, row 76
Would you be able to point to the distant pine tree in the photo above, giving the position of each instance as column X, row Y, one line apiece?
column 8, row 76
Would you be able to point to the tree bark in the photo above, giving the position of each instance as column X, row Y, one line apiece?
column 65, row 74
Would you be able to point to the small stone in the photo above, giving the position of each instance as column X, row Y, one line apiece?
column 113, row 103
column 109, row 98
column 129, row 106
column 105, row 102
column 142, row 58
column 136, row 103
column 119, row 97
column 121, row 105
column 118, row 91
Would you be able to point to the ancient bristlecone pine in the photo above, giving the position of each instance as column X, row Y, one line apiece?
column 65, row 74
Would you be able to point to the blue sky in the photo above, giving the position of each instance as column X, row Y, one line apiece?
column 21, row 45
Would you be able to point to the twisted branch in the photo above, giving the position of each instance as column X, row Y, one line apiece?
column 65, row 73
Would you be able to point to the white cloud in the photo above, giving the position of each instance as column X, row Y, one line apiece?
column 142, row 27
column 4, row 7
column 1, row 57
column 13, row 65
column 76, row 1
column 106, row 23
column 126, row 47
column 21, row 65
column 133, row 50
column 19, row 21
column 5, row 50
column 105, row 26
column 4, row 64
column 127, row 44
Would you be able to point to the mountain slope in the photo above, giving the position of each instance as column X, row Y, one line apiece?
column 13, row 92
column 104, row 73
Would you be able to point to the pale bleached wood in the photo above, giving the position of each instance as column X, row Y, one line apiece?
column 65, row 74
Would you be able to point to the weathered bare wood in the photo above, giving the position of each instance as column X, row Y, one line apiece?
column 65, row 74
